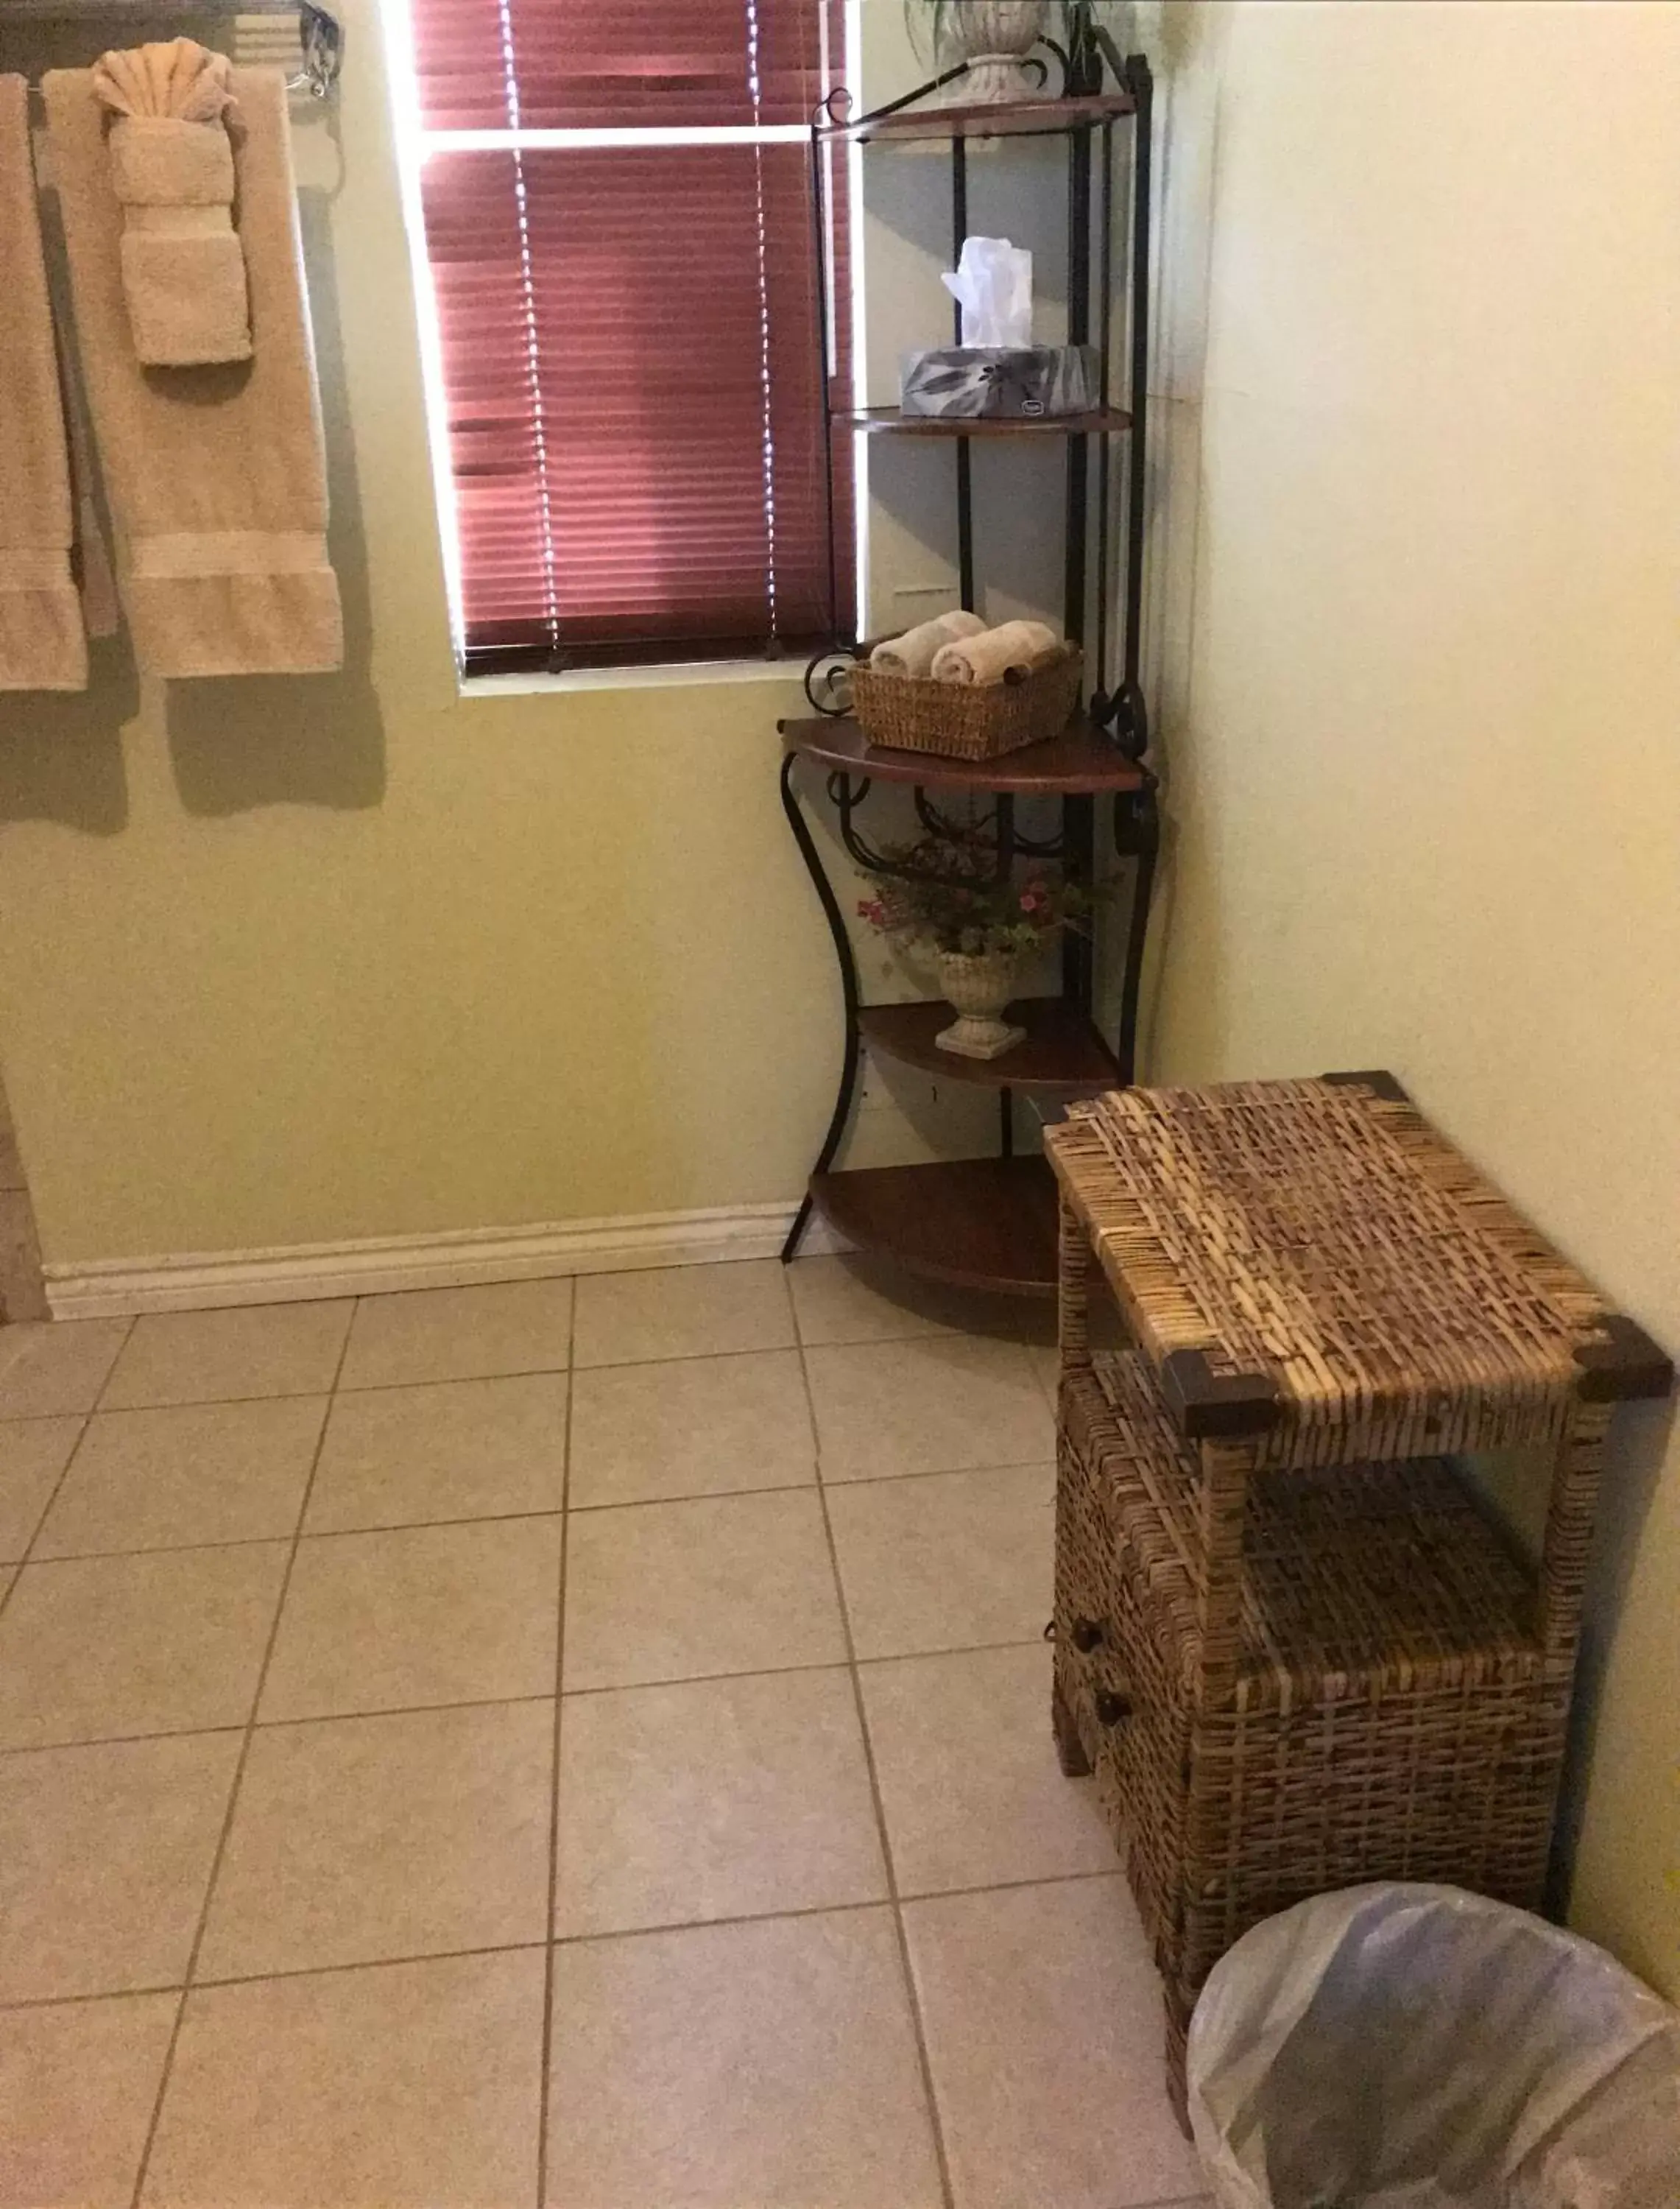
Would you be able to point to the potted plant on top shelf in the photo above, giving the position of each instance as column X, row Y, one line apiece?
column 993, row 39
column 943, row 902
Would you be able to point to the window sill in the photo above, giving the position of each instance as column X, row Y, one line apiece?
column 681, row 676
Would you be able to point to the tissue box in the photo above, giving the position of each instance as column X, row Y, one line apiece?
column 1014, row 382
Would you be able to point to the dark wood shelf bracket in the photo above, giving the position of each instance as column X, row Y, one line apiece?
column 991, row 1223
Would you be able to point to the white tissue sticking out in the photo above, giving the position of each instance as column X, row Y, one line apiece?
column 993, row 285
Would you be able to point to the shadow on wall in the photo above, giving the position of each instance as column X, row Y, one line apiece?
column 249, row 740
column 60, row 753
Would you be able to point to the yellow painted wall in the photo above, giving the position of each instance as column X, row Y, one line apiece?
column 1424, row 748
column 295, row 961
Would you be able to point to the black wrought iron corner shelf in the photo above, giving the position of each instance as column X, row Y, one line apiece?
column 990, row 1222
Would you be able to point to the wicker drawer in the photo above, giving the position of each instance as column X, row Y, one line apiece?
column 1133, row 1728
column 1379, row 1612
column 1089, row 1663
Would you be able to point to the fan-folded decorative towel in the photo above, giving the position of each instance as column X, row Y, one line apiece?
column 912, row 652
column 215, row 476
column 42, row 646
column 989, row 658
column 172, row 167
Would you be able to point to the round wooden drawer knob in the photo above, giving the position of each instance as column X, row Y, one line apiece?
column 1112, row 1708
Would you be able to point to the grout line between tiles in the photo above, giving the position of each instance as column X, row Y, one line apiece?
column 366, row 1964
column 117, row 1740
column 351, row 1389
column 248, row 1735
column 699, row 1495
column 98, row 1994
column 497, row 1702
column 14, row 1567
column 559, row 1941
column 828, row 1908
column 823, row 1664
column 833, row 1481
column 478, row 1517
column 930, row 2099
column 686, row 1357
column 277, row 1725
column 545, row 2066
column 15, row 1570
column 262, row 1978
column 321, row 1534
column 98, row 1404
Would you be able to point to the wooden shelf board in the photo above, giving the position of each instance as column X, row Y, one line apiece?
column 891, row 421
column 971, row 1223
column 1081, row 762
column 1024, row 118
column 1061, row 1054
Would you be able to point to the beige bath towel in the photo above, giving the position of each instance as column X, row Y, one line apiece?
column 42, row 646
column 989, row 658
column 172, row 167
column 913, row 653
column 214, row 475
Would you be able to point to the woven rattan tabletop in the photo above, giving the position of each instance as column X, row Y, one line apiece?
column 1313, row 1253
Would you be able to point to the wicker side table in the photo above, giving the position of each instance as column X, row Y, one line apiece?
column 1289, row 1642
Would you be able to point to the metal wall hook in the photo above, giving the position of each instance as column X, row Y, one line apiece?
column 320, row 31
column 323, row 36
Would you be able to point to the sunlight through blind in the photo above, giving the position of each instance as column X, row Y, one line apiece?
column 618, row 223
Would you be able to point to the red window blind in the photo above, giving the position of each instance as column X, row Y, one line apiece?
column 628, row 334
column 613, row 63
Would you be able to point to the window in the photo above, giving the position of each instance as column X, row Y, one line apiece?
column 617, row 216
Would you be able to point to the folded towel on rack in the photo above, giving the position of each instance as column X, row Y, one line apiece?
column 215, row 475
column 990, row 657
column 172, row 168
column 42, row 646
column 912, row 652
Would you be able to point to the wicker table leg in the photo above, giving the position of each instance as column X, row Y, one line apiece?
column 1069, row 1750
column 1177, row 2092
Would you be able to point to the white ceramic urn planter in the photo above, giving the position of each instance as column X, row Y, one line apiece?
column 994, row 37
column 977, row 986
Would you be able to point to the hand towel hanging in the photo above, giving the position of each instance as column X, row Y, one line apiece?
column 42, row 646
column 215, row 475
column 171, row 169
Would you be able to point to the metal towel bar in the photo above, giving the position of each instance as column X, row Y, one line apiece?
column 319, row 29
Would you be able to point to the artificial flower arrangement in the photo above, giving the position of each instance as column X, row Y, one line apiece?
column 950, row 906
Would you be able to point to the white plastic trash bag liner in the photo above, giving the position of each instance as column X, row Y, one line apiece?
column 1410, row 2047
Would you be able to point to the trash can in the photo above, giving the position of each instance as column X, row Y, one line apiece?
column 1415, row 2047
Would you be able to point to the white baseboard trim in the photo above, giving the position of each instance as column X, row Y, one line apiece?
column 117, row 1287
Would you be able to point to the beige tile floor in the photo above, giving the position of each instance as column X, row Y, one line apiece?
column 302, row 1609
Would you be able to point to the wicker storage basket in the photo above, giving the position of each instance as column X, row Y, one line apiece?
column 1288, row 1643
column 968, row 720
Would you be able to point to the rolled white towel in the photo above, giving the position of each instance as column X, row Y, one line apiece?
column 989, row 657
column 912, row 652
